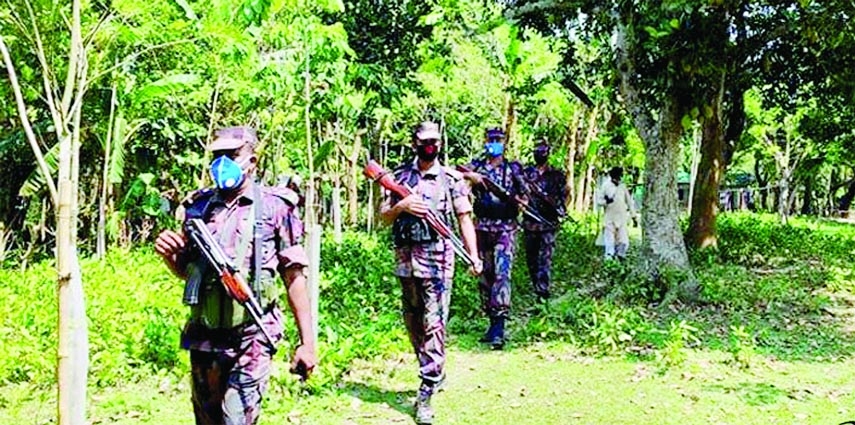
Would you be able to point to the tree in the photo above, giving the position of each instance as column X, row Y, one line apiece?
column 72, row 350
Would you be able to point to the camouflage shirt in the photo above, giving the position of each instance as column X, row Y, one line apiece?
column 509, row 175
column 551, row 184
column 232, row 226
column 445, row 191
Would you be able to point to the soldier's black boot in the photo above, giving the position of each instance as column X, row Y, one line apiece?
column 491, row 331
column 423, row 410
column 498, row 340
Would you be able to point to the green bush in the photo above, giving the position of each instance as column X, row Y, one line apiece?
column 755, row 239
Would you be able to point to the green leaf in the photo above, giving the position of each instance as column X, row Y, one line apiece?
column 188, row 10
column 432, row 18
column 675, row 23
column 686, row 122
column 323, row 153
column 34, row 185
column 166, row 86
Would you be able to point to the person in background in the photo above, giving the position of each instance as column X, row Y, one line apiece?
column 548, row 193
column 496, row 227
column 619, row 210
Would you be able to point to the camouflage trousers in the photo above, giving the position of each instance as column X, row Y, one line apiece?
column 425, row 303
column 538, row 252
column 228, row 386
column 497, row 251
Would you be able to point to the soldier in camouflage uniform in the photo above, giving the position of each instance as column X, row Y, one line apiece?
column 496, row 227
column 425, row 261
column 229, row 356
column 548, row 189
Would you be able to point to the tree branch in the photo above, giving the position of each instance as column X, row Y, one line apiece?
column 25, row 122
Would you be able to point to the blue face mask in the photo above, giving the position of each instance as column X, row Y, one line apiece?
column 226, row 173
column 494, row 149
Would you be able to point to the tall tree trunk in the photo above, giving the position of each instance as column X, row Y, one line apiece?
column 701, row 232
column 845, row 202
column 588, row 194
column 662, row 245
column 353, row 180
column 73, row 346
column 584, row 185
column 784, row 196
column 570, row 159
column 510, row 122
column 101, row 233
column 807, row 207
column 696, row 159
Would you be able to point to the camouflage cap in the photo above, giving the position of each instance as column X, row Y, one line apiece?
column 495, row 133
column 427, row 130
column 232, row 138
column 541, row 148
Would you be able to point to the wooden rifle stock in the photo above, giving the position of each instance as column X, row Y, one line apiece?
column 235, row 285
column 378, row 174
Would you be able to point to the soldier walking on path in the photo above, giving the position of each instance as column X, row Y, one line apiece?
column 256, row 227
column 496, row 228
column 425, row 260
column 548, row 193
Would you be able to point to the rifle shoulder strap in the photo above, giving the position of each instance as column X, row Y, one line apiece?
column 256, row 241
column 446, row 181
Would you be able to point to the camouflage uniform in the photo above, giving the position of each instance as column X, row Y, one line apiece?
column 540, row 238
column 230, row 358
column 496, row 236
column 426, row 270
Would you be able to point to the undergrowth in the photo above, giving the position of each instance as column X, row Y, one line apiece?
column 766, row 289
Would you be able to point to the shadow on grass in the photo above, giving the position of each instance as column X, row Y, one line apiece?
column 753, row 393
column 397, row 400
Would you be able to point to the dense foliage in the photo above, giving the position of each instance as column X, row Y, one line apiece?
column 776, row 281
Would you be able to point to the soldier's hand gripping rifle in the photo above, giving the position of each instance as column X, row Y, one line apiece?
column 375, row 172
column 505, row 196
column 236, row 286
column 539, row 193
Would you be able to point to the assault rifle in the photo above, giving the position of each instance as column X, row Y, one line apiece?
column 375, row 172
column 505, row 196
column 234, row 283
column 550, row 203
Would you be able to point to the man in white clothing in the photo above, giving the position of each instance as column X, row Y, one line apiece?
column 619, row 209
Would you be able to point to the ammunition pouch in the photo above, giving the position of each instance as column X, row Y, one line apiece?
column 487, row 207
column 409, row 230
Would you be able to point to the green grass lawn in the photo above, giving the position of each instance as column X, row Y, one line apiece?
column 532, row 385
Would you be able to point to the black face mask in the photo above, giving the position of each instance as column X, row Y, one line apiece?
column 540, row 158
column 427, row 153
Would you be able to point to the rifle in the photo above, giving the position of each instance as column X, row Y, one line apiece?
column 234, row 283
column 540, row 194
column 375, row 172
column 506, row 196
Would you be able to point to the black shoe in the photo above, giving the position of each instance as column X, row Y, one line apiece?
column 491, row 331
column 423, row 410
column 497, row 340
column 543, row 296
column 440, row 385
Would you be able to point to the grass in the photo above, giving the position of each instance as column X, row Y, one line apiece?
column 538, row 384
column 771, row 340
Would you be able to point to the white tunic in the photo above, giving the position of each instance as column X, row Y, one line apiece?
column 622, row 209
